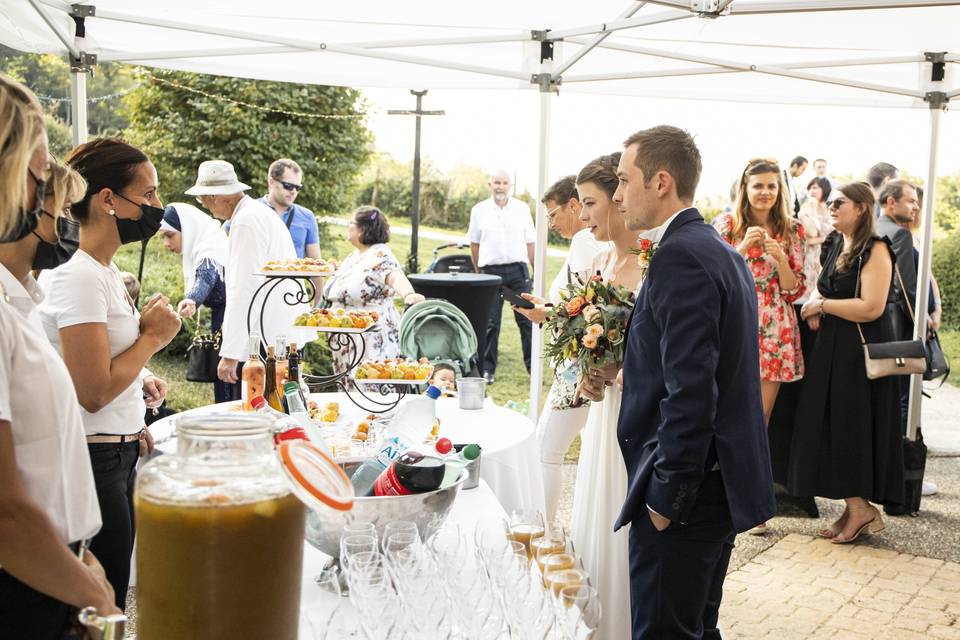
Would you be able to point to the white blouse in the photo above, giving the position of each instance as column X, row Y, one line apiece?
column 84, row 291
column 38, row 400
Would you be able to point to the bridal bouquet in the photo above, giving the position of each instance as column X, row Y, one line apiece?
column 587, row 326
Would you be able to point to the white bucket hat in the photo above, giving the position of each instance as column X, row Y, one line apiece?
column 216, row 178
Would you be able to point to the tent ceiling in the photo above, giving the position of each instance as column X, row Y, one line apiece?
column 434, row 44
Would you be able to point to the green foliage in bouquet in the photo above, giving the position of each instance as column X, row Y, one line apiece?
column 587, row 326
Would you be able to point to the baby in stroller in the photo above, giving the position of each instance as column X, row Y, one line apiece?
column 444, row 378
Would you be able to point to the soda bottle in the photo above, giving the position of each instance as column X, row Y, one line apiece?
column 411, row 472
column 410, row 427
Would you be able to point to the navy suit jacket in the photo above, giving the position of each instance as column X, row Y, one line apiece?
column 691, row 382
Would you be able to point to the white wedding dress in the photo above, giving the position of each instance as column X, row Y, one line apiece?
column 599, row 494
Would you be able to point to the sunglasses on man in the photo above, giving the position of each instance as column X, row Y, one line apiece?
column 290, row 186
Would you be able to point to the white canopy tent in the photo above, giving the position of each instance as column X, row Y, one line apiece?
column 871, row 53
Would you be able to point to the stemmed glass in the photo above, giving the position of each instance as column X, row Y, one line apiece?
column 524, row 526
column 554, row 541
column 581, row 611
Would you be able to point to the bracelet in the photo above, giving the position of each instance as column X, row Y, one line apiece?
column 823, row 313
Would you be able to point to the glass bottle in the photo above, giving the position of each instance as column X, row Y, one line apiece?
column 270, row 391
column 281, row 353
column 252, row 375
column 293, row 371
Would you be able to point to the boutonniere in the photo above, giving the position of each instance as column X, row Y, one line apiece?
column 644, row 252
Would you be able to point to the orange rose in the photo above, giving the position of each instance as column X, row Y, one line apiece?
column 574, row 305
column 589, row 341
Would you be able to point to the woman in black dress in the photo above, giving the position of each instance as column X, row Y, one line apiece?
column 846, row 441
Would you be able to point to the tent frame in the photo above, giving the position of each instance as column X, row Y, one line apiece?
column 548, row 80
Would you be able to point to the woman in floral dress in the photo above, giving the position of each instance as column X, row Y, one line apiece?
column 762, row 230
column 369, row 278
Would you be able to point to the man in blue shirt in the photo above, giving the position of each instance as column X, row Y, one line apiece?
column 284, row 184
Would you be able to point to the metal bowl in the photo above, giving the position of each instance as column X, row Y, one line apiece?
column 428, row 510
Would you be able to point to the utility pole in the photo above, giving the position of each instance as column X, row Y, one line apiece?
column 412, row 262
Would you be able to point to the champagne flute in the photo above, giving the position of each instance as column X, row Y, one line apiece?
column 526, row 525
column 553, row 542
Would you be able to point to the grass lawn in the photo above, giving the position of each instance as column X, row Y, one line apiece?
column 950, row 341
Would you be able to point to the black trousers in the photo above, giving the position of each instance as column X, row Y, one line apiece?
column 676, row 575
column 115, row 472
column 27, row 614
column 516, row 276
column 229, row 391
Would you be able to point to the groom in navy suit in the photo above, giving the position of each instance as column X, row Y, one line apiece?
column 691, row 425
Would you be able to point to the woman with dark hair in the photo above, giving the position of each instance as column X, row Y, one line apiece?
column 201, row 244
column 601, row 484
column 105, row 342
column 771, row 241
column 369, row 278
column 846, row 442
column 48, row 503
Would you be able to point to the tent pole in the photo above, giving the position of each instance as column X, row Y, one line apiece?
column 937, row 102
column 78, row 105
column 547, row 89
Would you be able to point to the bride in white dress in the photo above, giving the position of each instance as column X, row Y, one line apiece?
column 601, row 475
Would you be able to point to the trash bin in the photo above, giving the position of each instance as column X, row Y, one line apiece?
column 472, row 293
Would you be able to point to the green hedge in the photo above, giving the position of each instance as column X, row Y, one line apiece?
column 946, row 268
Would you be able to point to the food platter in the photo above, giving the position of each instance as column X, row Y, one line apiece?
column 294, row 274
column 335, row 329
column 398, row 381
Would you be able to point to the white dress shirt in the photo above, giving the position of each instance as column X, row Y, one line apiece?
column 85, row 291
column 38, row 400
column 503, row 233
column 655, row 235
column 257, row 235
column 583, row 249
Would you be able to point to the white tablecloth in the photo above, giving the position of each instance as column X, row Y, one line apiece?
column 509, row 463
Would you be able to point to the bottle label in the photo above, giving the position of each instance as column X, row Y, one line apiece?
column 392, row 447
column 388, row 484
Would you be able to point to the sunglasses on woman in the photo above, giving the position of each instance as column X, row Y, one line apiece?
column 836, row 203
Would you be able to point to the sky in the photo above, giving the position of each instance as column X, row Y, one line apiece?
column 499, row 129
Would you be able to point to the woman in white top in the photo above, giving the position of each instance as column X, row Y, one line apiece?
column 105, row 342
column 560, row 422
column 48, row 503
column 369, row 278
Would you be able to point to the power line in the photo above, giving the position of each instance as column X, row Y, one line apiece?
column 241, row 103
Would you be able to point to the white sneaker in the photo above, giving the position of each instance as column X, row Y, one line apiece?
column 929, row 489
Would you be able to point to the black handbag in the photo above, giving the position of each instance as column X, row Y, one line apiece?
column 938, row 366
column 203, row 356
column 914, row 465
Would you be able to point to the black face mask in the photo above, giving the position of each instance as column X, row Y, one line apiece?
column 28, row 219
column 52, row 255
column 143, row 229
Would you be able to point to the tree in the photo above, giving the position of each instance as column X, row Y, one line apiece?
column 181, row 119
column 49, row 77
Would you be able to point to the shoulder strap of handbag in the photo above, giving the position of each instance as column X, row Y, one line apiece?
column 856, row 294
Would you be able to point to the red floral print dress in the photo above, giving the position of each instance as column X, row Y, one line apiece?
column 781, row 359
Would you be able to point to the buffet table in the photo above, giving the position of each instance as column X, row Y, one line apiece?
column 509, row 464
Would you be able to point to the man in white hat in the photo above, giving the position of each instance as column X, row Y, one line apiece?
column 256, row 235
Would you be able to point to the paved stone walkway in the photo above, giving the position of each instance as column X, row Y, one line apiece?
column 804, row 587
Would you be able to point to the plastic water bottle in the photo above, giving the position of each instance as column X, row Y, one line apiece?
column 411, row 425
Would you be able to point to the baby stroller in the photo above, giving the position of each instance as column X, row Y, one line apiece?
column 455, row 262
column 437, row 330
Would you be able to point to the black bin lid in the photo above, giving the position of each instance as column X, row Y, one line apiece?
column 454, row 279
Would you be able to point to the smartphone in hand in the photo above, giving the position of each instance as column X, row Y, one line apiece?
column 514, row 298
